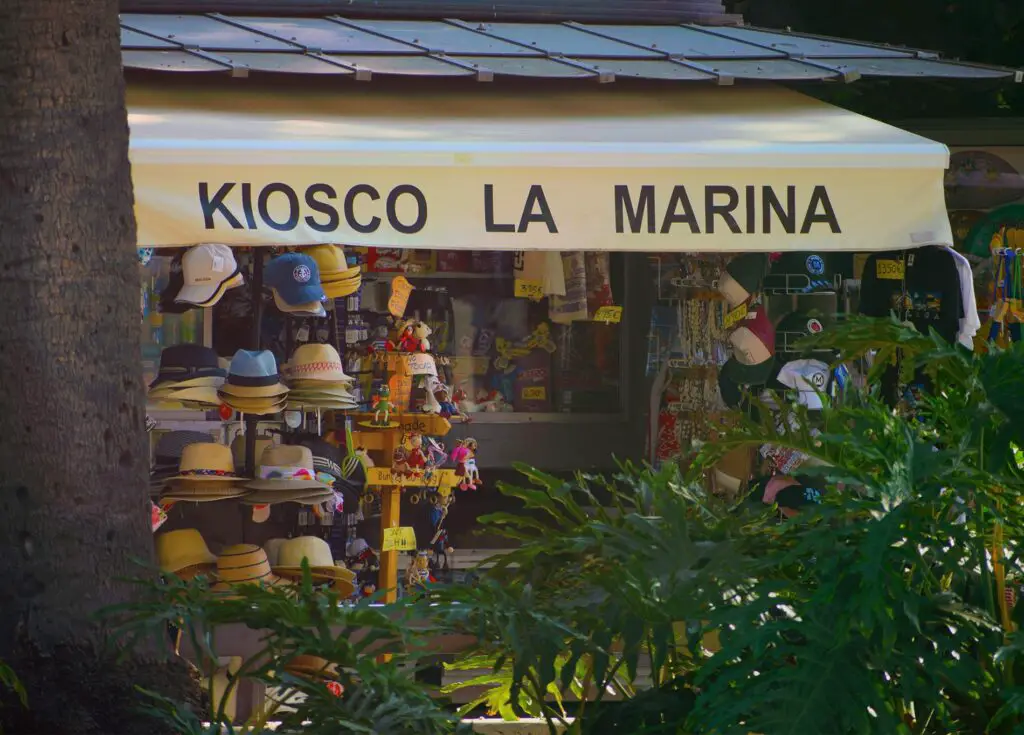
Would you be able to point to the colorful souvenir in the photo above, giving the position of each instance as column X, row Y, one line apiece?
column 472, row 473
column 381, row 342
column 446, row 407
column 417, row 459
column 400, row 463
column 419, row 572
column 382, row 406
column 464, row 404
column 507, row 351
column 414, row 337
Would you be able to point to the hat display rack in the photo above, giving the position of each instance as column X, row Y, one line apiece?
column 309, row 395
column 714, row 343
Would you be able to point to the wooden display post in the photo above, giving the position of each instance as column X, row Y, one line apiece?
column 385, row 440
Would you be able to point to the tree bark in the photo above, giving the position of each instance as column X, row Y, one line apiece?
column 73, row 456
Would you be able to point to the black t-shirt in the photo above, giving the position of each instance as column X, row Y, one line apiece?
column 928, row 295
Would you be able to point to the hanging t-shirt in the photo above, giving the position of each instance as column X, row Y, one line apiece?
column 921, row 286
column 928, row 294
column 970, row 322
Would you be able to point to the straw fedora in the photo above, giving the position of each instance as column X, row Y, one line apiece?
column 186, row 491
column 317, row 553
column 308, row 666
column 202, row 395
column 286, row 468
column 206, row 462
column 261, row 406
column 179, row 550
column 273, row 548
column 238, row 449
column 253, row 375
column 274, row 497
column 244, row 564
column 316, row 362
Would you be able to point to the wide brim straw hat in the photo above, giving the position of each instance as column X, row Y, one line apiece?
column 311, row 666
column 238, row 449
column 287, row 468
column 315, row 362
column 244, row 564
column 208, row 381
column 275, row 497
column 272, row 547
column 331, row 392
column 253, row 404
column 178, row 550
column 207, row 462
column 316, row 553
column 200, row 394
column 273, row 390
column 212, row 495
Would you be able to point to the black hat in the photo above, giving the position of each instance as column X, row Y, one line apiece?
column 179, row 363
column 748, row 270
column 349, row 474
column 804, row 272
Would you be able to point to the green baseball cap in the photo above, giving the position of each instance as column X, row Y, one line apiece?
column 748, row 270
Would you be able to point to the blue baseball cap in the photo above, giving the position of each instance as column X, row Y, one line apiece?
column 296, row 279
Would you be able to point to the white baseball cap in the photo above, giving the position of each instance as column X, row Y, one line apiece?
column 208, row 271
column 809, row 378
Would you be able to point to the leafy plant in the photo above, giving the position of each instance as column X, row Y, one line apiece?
column 881, row 610
column 10, row 681
column 367, row 656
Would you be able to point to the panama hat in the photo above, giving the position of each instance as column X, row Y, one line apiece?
column 273, row 547
column 244, row 564
column 317, row 554
column 188, row 365
column 208, row 271
column 261, row 406
column 206, row 462
column 187, row 491
column 276, row 497
column 199, row 396
column 238, row 448
column 316, row 362
column 286, row 468
column 179, row 550
column 253, row 375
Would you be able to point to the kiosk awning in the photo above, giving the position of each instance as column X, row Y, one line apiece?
column 719, row 169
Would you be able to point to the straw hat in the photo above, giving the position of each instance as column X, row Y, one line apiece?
column 181, row 549
column 244, row 564
column 200, row 395
column 206, row 462
column 187, row 491
column 238, row 449
column 311, row 667
column 273, row 547
column 262, row 406
column 302, row 497
column 253, row 375
column 316, row 362
column 286, row 468
column 317, row 553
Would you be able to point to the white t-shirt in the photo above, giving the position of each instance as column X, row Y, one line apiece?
column 970, row 322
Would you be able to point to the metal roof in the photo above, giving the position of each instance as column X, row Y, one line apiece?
column 360, row 49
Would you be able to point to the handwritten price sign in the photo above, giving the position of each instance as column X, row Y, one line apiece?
column 399, row 539
column 608, row 314
column 526, row 289
column 890, row 270
column 401, row 289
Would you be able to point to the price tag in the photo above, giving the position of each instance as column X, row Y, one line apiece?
column 535, row 393
column 421, row 363
column 890, row 270
column 399, row 539
column 525, row 289
column 736, row 315
column 608, row 314
column 400, row 292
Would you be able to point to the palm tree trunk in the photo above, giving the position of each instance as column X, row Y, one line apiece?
column 73, row 454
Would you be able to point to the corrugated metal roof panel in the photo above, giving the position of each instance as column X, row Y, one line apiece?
column 917, row 68
column 650, row 69
column 202, row 32
column 407, row 66
column 554, row 38
column 282, row 63
column 528, row 67
column 445, row 37
column 680, row 41
column 771, row 69
column 157, row 60
column 136, row 40
column 797, row 44
column 326, row 35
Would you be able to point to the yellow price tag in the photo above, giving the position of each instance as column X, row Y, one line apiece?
column 890, row 270
column 736, row 315
column 399, row 539
column 526, row 289
column 401, row 289
column 535, row 393
column 608, row 314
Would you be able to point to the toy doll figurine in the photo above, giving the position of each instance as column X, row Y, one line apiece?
column 417, row 458
column 446, row 407
column 472, row 473
column 419, row 574
column 380, row 342
column 459, row 456
column 414, row 337
column 400, row 463
column 382, row 406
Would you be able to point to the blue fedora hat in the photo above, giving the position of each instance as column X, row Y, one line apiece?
column 253, row 375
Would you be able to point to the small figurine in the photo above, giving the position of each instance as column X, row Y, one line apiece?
column 369, row 589
column 414, row 337
column 419, row 574
column 446, row 407
column 416, row 458
column 380, row 342
column 493, row 402
column 400, row 463
column 465, row 405
column 382, row 406
column 459, row 456
column 430, row 401
column 472, row 473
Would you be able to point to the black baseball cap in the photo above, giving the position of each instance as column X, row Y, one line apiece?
column 807, row 272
